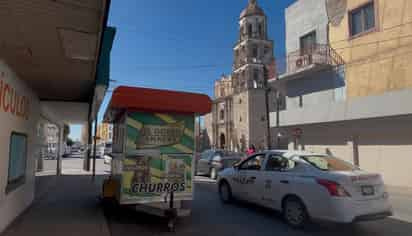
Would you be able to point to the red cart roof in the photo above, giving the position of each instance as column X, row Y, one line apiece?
column 155, row 100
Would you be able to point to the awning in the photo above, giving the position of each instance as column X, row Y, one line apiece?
column 155, row 100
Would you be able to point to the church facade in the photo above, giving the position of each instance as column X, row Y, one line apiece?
column 238, row 118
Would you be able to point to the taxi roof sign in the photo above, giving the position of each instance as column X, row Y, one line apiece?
column 155, row 100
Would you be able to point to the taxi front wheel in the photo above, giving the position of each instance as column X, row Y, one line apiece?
column 225, row 192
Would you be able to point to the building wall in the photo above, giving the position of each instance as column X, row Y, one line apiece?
column 208, row 122
column 105, row 132
column 257, row 119
column 384, row 145
column 303, row 17
column 379, row 61
column 223, row 86
column 314, row 89
column 325, row 86
column 14, row 202
column 241, row 120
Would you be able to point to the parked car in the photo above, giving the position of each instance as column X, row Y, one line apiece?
column 305, row 185
column 212, row 161
column 100, row 148
column 108, row 148
column 107, row 159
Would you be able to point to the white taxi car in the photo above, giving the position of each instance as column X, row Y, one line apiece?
column 304, row 185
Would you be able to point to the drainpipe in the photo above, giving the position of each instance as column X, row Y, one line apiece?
column 59, row 152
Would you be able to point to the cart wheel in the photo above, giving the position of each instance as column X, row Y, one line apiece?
column 171, row 225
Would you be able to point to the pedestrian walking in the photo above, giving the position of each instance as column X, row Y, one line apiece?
column 251, row 150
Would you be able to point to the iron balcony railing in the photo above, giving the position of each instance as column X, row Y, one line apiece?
column 318, row 54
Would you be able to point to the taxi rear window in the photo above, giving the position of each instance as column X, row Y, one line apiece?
column 329, row 163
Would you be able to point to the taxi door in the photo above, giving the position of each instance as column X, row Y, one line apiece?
column 276, row 180
column 247, row 177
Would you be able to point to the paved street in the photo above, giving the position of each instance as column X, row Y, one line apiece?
column 211, row 217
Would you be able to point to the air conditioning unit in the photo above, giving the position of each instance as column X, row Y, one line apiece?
column 304, row 60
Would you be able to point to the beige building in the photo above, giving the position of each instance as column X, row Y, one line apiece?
column 104, row 133
column 238, row 117
column 348, row 83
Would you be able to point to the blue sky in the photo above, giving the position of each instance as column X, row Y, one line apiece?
column 180, row 44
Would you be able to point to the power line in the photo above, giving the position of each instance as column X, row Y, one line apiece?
column 180, row 67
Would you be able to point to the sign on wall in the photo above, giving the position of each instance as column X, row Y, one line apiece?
column 336, row 10
column 11, row 100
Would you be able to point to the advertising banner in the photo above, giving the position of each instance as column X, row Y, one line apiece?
column 158, row 159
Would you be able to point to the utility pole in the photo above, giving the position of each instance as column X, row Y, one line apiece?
column 277, row 118
column 267, row 90
column 94, row 149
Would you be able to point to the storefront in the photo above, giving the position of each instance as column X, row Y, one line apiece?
column 19, row 114
column 57, row 75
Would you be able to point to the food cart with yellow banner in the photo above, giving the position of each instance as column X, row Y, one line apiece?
column 153, row 146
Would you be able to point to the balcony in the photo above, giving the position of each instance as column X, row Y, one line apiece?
column 304, row 62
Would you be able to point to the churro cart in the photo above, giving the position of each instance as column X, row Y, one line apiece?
column 152, row 169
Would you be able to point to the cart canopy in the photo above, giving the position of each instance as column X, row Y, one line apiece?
column 154, row 100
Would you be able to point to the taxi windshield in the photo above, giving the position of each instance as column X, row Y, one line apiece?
column 329, row 163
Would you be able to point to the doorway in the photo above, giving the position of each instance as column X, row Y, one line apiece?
column 222, row 141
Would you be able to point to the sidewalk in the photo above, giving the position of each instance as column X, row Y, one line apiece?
column 401, row 199
column 65, row 205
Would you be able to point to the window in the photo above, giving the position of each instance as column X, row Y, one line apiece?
column 17, row 161
column 205, row 155
column 253, row 163
column 266, row 50
column 328, row 163
column 362, row 19
column 249, row 30
column 256, row 74
column 254, row 51
column 240, row 101
column 260, row 30
column 222, row 92
column 307, row 43
column 278, row 163
column 255, row 84
column 222, row 114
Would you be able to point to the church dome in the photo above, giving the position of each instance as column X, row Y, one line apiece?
column 252, row 10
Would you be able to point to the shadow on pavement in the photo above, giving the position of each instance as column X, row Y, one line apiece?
column 63, row 205
column 124, row 220
column 385, row 227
